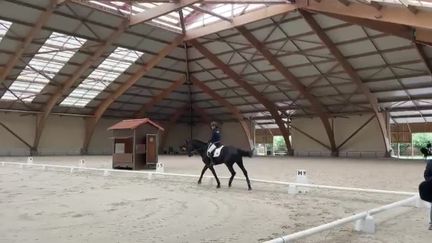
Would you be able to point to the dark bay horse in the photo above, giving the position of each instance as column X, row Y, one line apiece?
column 228, row 156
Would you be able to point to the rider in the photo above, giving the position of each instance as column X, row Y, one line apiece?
column 215, row 140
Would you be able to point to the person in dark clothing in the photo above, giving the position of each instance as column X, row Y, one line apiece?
column 428, row 179
column 215, row 140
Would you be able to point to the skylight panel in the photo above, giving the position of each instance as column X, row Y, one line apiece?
column 109, row 70
column 4, row 27
column 51, row 57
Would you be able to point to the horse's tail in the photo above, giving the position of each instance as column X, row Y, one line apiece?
column 244, row 153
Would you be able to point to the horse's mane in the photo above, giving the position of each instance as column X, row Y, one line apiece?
column 198, row 141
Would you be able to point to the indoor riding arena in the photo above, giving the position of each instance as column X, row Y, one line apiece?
column 215, row 121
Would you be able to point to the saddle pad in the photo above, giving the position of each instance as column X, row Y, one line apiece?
column 217, row 152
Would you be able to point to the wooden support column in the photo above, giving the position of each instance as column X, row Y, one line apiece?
column 235, row 112
column 41, row 118
column 272, row 108
column 352, row 73
column 317, row 107
column 103, row 106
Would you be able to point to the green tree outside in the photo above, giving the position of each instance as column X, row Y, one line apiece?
column 421, row 139
column 279, row 143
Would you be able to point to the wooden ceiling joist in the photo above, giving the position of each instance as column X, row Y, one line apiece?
column 272, row 108
column 352, row 73
column 165, row 93
column 234, row 110
column 41, row 119
column 104, row 105
column 317, row 107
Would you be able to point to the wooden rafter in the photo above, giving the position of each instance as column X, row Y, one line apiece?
column 234, row 110
column 424, row 57
column 42, row 20
column 165, row 93
column 272, row 108
column 41, row 120
column 252, row 16
column 316, row 105
column 352, row 73
column 389, row 13
column 104, row 105
column 160, row 10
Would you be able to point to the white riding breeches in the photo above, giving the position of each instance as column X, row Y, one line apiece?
column 210, row 149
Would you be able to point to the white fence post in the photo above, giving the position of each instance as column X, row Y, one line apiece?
column 366, row 225
column 30, row 160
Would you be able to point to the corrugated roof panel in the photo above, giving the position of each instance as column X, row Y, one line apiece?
column 43, row 67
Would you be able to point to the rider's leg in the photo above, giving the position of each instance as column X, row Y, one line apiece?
column 210, row 151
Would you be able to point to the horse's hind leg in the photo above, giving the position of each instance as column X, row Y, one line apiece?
column 240, row 164
column 233, row 173
column 214, row 174
column 202, row 173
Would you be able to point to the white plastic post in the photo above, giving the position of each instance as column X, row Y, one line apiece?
column 29, row 160
column 43, row 167
column 160, row 168
column 82, row 163
column 149, row 176
column 3, row 163
column 106, row 173
column 302, row 178
column 292, row 189
column 366, row 225
column 71, row 170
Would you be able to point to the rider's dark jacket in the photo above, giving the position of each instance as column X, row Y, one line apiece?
column 216, row 136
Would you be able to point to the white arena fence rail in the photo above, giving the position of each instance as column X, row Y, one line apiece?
column 356, row 217
column 150, row 173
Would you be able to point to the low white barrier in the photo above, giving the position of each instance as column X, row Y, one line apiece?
column 150, row 173
column 339, row 222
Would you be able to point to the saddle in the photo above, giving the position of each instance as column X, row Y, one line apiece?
column 217, row 151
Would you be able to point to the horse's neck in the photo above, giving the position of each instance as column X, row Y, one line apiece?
column 201, row 147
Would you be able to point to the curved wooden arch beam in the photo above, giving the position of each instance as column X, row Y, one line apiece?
column 100, row 110
column 237, row 114
column 41, row 118
column 203, row 114
column 352, row 73
column 42, row 20
column 272, row 108
column 315, row 104
column 160, row 96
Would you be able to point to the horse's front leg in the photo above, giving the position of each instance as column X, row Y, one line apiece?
column 202, row 173
column 214, row 174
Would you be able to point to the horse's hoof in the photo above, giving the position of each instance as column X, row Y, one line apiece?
column 218, row 186
column 250, row 189
column 199, row 182
column 229, row 185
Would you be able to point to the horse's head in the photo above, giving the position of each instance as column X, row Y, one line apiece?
column 188, row 148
